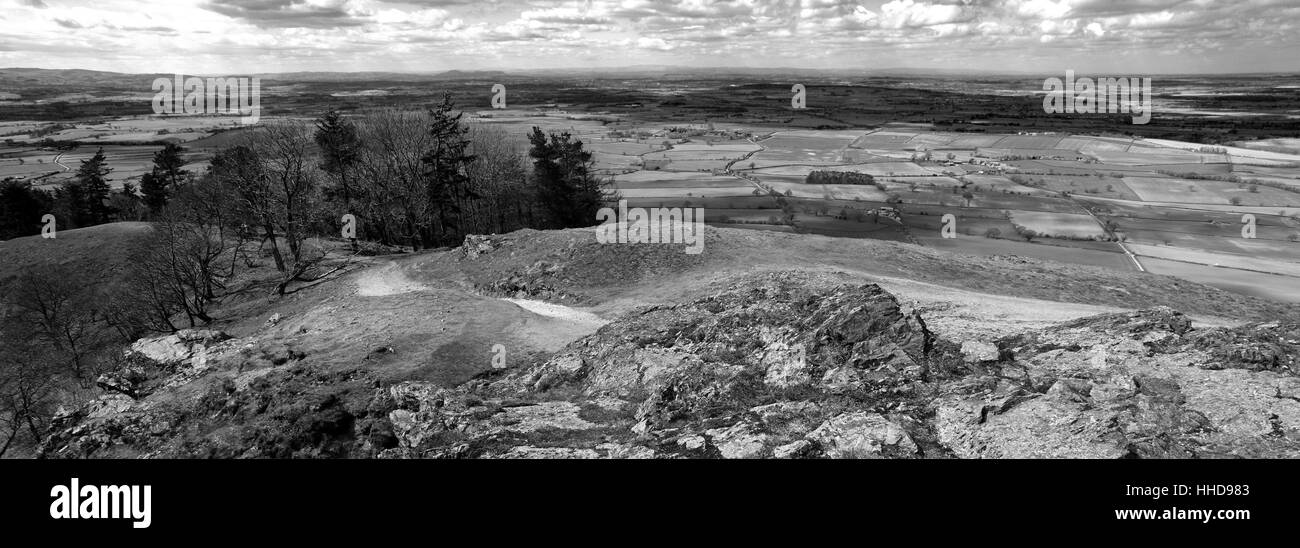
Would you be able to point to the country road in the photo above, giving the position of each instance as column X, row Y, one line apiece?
column 1121, row 245
column 57, row 160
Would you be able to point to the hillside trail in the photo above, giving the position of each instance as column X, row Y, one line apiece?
column 386, row 279
column 549, row 324
column 434, row 325
column 391, row 278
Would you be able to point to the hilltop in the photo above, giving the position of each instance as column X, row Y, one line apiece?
column 544, row 343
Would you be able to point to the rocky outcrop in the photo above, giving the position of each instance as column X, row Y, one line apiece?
column 1142, row 384
column 179, row 347
column 778, row 365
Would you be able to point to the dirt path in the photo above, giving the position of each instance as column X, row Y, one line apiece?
column 560, row 312
column 384, row 280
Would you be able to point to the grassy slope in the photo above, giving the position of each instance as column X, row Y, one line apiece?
column 98, row 252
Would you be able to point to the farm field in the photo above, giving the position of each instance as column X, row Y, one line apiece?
column 855, row 227
column 1029, row 141
column 1283, row 145
column 833, row 192
column 979, row 245
column 895, row 169
column 1202, row 191
column 1223, row 211
column 1097, row 185
column 1239, row 155
column 1136, row 156
column 790, row 147
column 686, row 192
column 1059, row 225
column 671, row 179
column 1266, row 286
column 1225, row 260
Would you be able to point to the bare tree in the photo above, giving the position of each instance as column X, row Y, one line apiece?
column 393, row 143
column 499, row 174
column 276, row 175
column 28, row 388
column 55, row 308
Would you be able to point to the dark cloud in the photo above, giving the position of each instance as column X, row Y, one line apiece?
column 167, row 30
column 283, row 13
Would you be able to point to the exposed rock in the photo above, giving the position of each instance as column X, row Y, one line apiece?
column 692, row 443
column 555, row 414
column 616, row 451
column 547, row 453
column 127, row 381
column 476, row 245
column 1142, row 384
column 786, row 365
column 178, row 347
column 862, row 434
column 740, row 441
column 792, row 450
column 979, row 351
column 842, row 379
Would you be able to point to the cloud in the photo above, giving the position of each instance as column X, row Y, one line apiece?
column 653, row 43
column 286, row 13
column 142, row 35
column 566, row 16
column 899, row 14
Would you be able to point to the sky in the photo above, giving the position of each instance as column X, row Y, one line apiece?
column 234, row 37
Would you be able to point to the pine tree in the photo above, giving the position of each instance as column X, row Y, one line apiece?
column 340, row 149
column 446, row 170
column 87, row 193
column 158, row 185
column 566, row 188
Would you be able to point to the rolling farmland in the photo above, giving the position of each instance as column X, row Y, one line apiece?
column 1080, row 196
column 1077, row 196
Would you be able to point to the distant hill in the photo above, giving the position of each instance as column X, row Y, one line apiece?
column 28, row 77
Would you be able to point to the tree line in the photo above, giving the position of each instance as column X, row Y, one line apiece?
column 824, row 177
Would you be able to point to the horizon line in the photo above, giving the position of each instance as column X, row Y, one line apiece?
column 651, row 67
